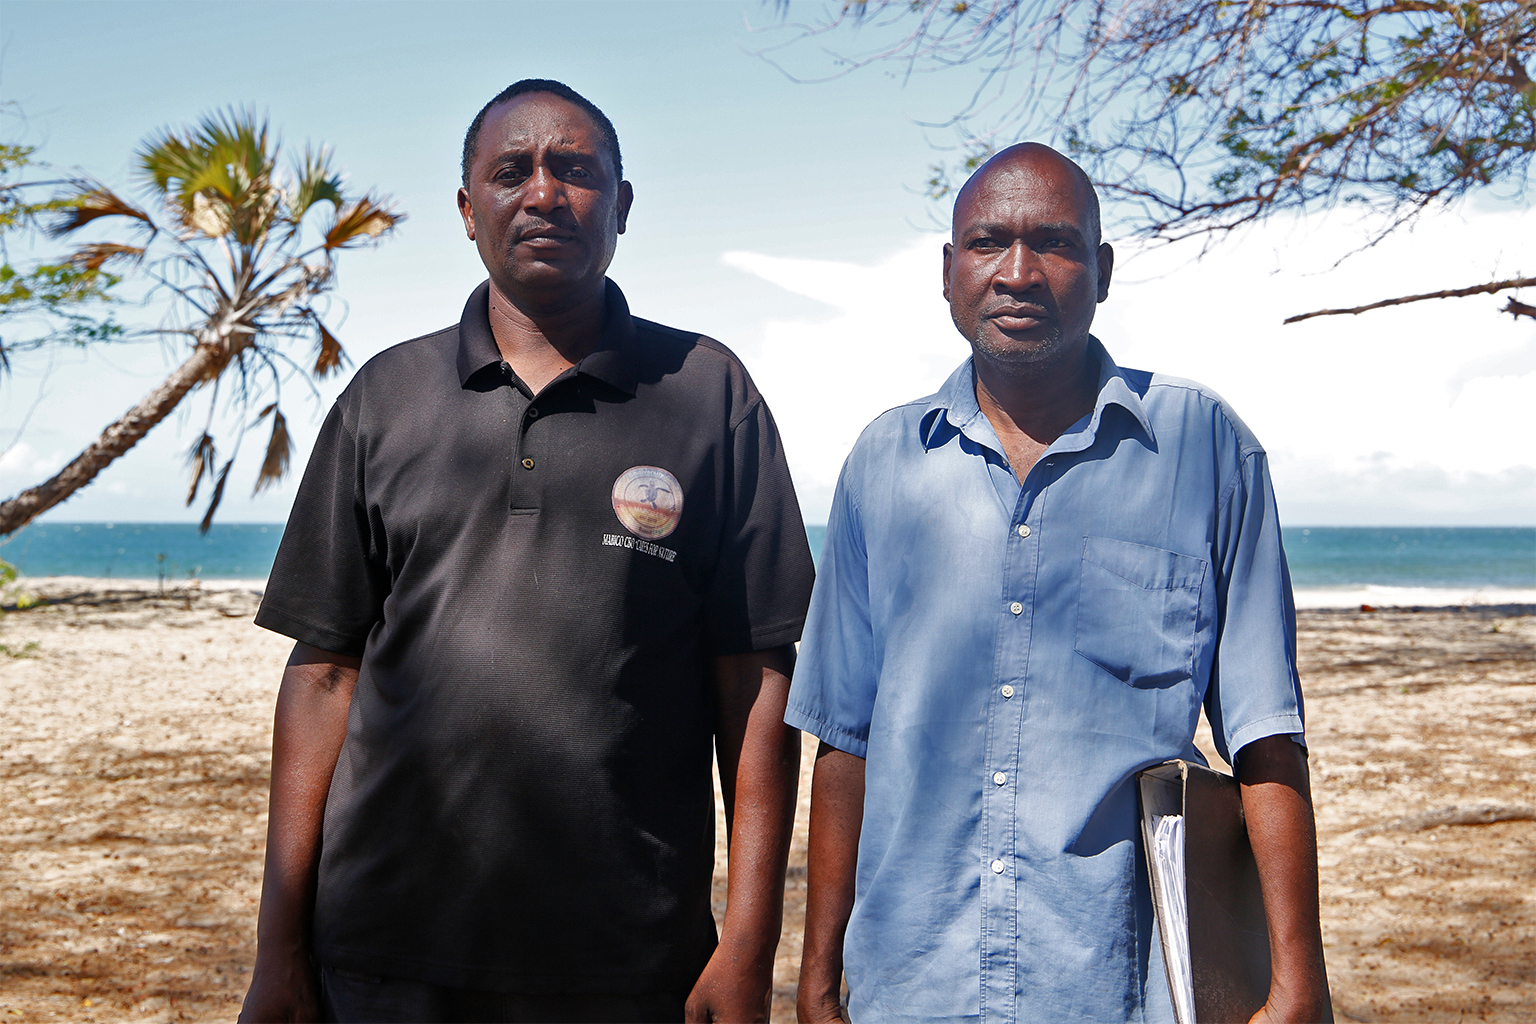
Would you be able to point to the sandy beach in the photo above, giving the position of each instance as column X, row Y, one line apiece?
column 135, row 726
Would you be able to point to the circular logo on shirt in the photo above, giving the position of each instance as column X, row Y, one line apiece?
column 648, row 501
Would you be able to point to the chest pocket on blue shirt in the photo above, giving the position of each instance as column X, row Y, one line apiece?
column 1137, row 609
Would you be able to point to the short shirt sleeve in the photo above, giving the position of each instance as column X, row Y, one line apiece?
column 833, row 693
column 762, row 581
column 1255, row 690
column 329, row 581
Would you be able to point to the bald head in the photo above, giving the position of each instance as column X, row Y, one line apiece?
column 1031, row 159
column 1025, row 266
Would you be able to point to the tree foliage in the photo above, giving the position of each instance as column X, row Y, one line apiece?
column 1203, row 117
column 54, row 299
column 245, row 247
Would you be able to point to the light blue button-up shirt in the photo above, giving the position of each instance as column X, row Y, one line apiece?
column 1007, row 657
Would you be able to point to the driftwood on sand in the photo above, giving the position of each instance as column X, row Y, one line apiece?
column 1459, row 814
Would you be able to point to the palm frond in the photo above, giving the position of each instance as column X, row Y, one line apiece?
column 329, row 356
column 201, row 458
column 218, row 496
column 96, row 255
column 314, row 182
column 361, row 222
column 217, row 174
column 97, row 201
column 279, row 450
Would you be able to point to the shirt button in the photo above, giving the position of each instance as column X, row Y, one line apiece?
column 1024, row 530
column 999, row 777
column 1016, row 608
column 1008, row 691
column 997, row 867
column 527, row 463
column 532, row 412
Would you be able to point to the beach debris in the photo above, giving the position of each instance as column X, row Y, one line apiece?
column 1457, row 814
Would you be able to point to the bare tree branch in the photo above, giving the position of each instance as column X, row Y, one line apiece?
column 1517, row 309
column 1449, row 293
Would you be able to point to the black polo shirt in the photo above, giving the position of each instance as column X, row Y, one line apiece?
column 536, row 586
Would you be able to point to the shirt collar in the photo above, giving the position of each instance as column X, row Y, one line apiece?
column 615, row 361
column 953, row 408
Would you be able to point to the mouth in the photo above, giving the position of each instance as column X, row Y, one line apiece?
column 1018, row 317
column 545, row 237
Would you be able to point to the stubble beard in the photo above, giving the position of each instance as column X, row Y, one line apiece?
column 1024, row 357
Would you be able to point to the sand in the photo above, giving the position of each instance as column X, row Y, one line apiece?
column 134, row 735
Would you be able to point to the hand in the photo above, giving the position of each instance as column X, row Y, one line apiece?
column 736, row 987
column 284, row 990
column 1278, row 1010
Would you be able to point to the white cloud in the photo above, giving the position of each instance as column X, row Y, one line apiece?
column 27, row 465
column 1419, row 413
column 889, row 341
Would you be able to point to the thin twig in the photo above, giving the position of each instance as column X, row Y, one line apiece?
column 1449, row 293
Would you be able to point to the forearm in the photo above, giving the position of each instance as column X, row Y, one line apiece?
column 760, row 774
column 837, row 812
column 308, row 729
column 1277, row 805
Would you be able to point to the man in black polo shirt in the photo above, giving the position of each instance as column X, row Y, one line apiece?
column 539, row 563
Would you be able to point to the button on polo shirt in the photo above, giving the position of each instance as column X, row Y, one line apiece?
column 536, row 585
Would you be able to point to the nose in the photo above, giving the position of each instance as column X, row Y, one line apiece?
column 1018, row 270
column 545, row 190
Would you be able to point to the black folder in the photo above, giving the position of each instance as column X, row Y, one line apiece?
column 1228, row 937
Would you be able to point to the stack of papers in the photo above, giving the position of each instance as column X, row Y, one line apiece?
column 1168, row 876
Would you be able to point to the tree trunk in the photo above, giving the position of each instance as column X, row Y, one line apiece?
column 114, row 441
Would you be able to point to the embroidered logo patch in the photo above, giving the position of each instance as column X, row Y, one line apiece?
column 648, row 501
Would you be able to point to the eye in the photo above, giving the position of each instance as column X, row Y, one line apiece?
column 983, row 244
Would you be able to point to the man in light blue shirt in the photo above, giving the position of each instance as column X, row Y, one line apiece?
column 1031, row 583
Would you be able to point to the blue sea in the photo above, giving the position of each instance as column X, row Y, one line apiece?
column 1320, row 557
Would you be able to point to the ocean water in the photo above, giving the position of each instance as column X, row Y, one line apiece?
column 1423, row 557
column 1321, row 558
column 242, row 551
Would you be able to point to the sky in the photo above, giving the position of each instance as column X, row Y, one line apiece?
column 783, row 218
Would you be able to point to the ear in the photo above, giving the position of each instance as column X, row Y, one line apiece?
column 1106, row 258
column 626, row 200
column 466, row 212
column 949, row 256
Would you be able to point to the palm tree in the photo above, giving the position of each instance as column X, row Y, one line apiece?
column 233, row 240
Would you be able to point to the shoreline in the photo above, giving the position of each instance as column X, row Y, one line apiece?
column 1520, row 600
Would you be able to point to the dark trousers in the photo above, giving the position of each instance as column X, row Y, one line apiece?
column 350, row 998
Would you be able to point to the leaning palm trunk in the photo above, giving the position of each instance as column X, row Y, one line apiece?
column 114, row 441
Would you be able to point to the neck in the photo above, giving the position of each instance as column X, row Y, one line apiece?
column 1030, row 406
column 541, row 340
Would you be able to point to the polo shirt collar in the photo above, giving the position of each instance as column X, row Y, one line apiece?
column 953, row 408
column 615, row 361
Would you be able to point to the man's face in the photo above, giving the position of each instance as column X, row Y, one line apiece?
column 1023, row 271
column 543, row 205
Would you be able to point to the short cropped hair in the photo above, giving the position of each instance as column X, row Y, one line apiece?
column 560, row 89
